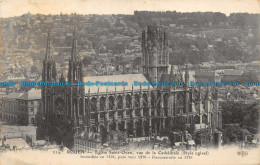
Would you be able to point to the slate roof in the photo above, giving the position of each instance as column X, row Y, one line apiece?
column 129, row 78
column 233, row 73
column 14, row 95
column 206, row 73
column 33, row 94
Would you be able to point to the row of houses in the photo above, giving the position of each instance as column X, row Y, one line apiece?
column 21, row 107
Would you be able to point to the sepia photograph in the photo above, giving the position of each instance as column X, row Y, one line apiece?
column 129, row 82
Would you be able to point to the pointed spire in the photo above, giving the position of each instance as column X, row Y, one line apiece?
column 186, row 68
column 48, row 54
column 186, row 64
column 74, row 33
column 186, row 76
column 74, row 51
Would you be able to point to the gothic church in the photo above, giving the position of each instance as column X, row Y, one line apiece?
column 139, row 111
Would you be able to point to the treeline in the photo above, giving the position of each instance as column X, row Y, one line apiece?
column 198, row 18
column 239, row 120
column 242, row 114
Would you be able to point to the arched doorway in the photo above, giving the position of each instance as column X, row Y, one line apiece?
column 102, row 103
column 32, row 120
column 111, row 102
column 121, row 126
column 93, row 104
column 59, row 105
column 112, row 126
column 180, row 102
column 205, row 119
column 119, row 102
column 196, row 119
column 129, row 129
column 93, row 129
column 128, row 101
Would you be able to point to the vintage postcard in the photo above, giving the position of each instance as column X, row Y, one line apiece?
column 129, row 82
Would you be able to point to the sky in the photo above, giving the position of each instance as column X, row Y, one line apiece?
column 10, row 8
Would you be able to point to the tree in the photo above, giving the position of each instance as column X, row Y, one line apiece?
column 234, row 134
column 61, row 130
column 40, row 131
column 168, row 131
column 87, row 61
column 242, row 114
column 233, row 112
column 248, row 76
column 239, row 120
column 34, row 69
column 251, row 119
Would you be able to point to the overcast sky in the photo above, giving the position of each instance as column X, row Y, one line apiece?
column 11, row 8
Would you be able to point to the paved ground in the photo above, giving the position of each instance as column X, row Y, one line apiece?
column 5, row 127
column 13, row 131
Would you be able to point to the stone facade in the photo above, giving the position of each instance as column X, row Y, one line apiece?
column 138, row 110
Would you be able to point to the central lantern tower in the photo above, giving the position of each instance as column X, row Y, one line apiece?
column 155, row 60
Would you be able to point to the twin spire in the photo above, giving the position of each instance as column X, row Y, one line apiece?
column 74, row 51
column 48, row 54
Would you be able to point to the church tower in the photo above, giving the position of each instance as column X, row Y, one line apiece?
column 75, row 73
column 49, row 74
column 76, row 97
column 187, row 94
column 155, row 59
column 49, row 66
